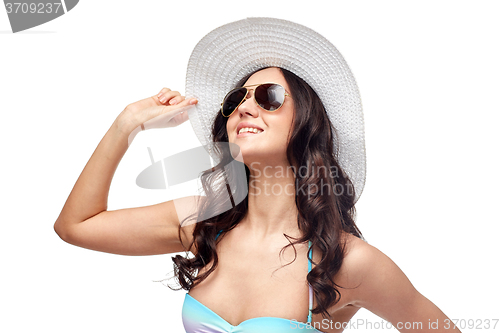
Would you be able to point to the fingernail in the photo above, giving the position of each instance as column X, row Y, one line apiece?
column 159, row 94
column 173, row 101
column 192, row 101
column 162, row 99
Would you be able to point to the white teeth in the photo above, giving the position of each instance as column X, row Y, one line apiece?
column 249, row 129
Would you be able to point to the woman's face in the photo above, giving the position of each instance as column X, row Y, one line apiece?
column 268, row 146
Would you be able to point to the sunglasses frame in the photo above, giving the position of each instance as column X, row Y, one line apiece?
column 246, row 94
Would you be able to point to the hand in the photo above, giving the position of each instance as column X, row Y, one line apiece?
column 167, row 109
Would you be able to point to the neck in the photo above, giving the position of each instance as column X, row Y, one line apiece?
column 271, row 201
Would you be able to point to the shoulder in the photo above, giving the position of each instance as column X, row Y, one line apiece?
column 362, row 258
column 371, row 274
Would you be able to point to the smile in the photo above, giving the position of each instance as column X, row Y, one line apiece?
column 249, row 130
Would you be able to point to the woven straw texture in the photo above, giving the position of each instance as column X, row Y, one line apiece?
column 232, row 51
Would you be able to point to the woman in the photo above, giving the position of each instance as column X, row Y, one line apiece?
column 250, row 271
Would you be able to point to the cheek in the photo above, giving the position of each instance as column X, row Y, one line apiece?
column 289, row 127
column 230, row 126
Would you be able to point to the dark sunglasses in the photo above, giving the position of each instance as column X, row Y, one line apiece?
column 269, row 96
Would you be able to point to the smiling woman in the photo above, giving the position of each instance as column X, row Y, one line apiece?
column 317, row 125
column 279, row 260
column 286, row 136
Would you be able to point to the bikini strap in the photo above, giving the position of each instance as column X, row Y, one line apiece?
column 309, row 317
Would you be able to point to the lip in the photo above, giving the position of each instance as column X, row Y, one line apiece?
column 246, row 124
column 246, row 134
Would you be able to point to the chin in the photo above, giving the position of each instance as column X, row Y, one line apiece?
column 258, row 156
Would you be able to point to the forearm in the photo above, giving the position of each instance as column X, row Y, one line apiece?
column 89, row 196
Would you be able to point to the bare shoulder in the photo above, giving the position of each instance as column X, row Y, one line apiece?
column 360, row 257
column 372, row 274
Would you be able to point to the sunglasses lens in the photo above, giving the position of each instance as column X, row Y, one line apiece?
column 232, row 100
column 270, row 96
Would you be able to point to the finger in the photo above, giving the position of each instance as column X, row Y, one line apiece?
column 165, row 95
column 180, row 107
column 163, row 91
column 181, row 101
column 159, row 97
column 165, row 98
column 169, row 109
column 176, row 100
column 167, row 116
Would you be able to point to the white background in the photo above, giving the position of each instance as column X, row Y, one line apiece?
column 428, row 73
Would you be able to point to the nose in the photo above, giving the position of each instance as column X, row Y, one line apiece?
column 247, row 106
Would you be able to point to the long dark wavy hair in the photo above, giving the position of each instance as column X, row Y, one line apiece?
column 325, row 202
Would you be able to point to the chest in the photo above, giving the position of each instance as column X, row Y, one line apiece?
column 253, row 281
column 265, row 281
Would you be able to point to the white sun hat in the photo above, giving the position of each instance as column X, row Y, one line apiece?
column 229, row 53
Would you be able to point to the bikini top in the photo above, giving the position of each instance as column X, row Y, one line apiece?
column 197, row 318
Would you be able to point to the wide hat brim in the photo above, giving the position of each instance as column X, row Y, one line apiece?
column 229, row 53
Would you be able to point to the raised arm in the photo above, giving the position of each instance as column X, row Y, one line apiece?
column 85, row 221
